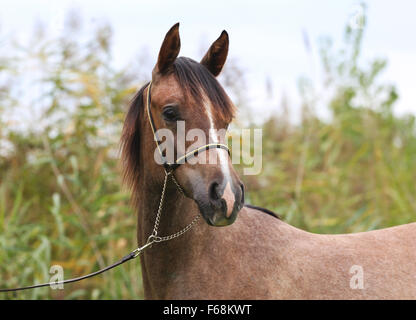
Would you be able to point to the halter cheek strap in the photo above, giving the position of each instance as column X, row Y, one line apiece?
column 183, row 159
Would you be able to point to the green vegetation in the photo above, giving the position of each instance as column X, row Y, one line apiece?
column 61, row 200
column 352, row 173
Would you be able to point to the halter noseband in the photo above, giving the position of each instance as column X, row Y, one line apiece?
column 169, row 167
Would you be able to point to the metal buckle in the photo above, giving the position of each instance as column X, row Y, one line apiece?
column 149, row 243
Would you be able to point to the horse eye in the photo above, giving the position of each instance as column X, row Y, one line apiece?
column 170, row 114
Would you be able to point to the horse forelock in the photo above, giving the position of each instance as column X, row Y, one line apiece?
column 198, row 82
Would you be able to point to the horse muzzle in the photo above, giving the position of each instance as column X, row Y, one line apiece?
column 220, row 207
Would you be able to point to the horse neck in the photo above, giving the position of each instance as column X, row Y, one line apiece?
column 164, row 259
column 177, row 210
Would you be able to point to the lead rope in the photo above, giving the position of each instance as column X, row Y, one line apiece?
column 153, row 238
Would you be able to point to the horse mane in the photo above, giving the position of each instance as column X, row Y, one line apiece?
column 269, row 212
column 130, row 142
column 197, row 82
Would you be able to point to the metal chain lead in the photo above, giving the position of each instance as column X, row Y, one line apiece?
column 159, row 209
column 178, row 185
column 154, row 237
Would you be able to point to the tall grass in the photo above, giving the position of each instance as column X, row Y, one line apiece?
column 61, row 201
column 354, row 172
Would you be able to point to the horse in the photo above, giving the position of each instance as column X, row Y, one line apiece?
column 255, row 255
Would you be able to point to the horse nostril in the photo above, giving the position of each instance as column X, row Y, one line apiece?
column 214, row 192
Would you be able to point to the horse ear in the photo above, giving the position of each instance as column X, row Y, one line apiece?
column 169, row 50
column 215, row 58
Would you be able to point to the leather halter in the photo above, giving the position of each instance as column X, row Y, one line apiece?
column 169, row 167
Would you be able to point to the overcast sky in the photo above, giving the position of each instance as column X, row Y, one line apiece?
column 265, row 36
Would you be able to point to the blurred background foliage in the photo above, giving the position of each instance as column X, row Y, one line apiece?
column 61, row 202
